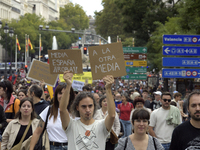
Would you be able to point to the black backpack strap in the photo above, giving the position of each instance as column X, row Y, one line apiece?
column 154, row 143
column 48, row 113
column 14, row 108
column 126, row 141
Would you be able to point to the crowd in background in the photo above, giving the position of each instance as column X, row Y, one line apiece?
column 26, row 101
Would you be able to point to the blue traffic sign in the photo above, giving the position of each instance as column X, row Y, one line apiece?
column 181, row 62
column 181, row 39
column 181, row 50
column 181, row 73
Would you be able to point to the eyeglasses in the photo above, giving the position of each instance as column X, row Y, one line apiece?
column 165, row 100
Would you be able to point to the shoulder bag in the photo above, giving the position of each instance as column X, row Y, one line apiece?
column 113, row 137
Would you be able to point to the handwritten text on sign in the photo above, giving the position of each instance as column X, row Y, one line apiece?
column 78, row 85
column 62, row 60
column 40, row 70
column 107, row 60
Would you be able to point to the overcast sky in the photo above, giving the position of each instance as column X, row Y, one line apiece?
column 89, row 6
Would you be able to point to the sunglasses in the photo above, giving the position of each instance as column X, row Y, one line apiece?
column 165, row 100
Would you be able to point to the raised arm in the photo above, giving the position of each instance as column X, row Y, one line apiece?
column 42, row 84
column 64, row 114
column 110, row 102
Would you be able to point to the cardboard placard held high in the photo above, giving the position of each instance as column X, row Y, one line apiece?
column 40, row 70
column 62, row 60
column 107, row 60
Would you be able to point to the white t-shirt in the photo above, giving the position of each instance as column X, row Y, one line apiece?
column 162, row 130
column 86, row 137
column 54, row 129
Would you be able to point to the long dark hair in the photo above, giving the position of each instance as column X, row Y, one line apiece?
column 55, row 106
column 7, row 84
column 19, row 114
column 77, row 100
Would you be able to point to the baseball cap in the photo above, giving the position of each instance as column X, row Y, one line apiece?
column 158, row 93
column 175, row 92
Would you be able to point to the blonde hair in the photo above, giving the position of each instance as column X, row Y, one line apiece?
column 134, row 95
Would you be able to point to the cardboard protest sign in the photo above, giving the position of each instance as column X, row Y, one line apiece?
column 79, row 77
column 107, row 60
column 62, row 60
column 40, row 70
column 77, row 85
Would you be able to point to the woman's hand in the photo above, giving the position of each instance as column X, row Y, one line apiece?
column 67, row 76
column 109, row 79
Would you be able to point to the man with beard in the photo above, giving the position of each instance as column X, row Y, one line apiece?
column 163, row 121
column 86, row 133
column 187, row 135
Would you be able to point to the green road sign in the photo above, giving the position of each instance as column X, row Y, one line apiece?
column 136, row 70
column 135, row 77
column 134, row 49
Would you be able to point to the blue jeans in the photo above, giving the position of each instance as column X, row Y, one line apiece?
column 58, row 147
column 166, row 145
column 127, row 127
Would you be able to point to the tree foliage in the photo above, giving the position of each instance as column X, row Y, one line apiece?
column 72, row 16
column 186, row 22
column 109, row 21
column 139, row 17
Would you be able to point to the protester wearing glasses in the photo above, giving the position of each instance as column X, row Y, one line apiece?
column 8, row 101
column 163, row 120
column 139, row 139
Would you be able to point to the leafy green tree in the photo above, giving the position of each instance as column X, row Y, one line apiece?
column 109, row 21
column 74, row 16
column 139, row 17
column 27, row 24
column 186, row 22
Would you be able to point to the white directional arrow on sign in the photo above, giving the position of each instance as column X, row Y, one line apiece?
column 144, row 50
column 167, row 50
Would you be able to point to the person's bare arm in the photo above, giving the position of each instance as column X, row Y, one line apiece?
column 42, row 84
column 110, row 102
column 151, row 132
column 37, row 134
column 64, row 114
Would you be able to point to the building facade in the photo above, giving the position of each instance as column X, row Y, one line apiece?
column 13, row 9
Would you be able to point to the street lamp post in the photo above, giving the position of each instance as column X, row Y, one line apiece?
column 11, row 34
column 6, row 30
column 72, row 31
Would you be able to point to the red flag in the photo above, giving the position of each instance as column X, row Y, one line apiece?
column 18, row 44
column 29, row 43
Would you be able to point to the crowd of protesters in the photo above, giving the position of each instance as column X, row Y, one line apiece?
column 102, row 116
